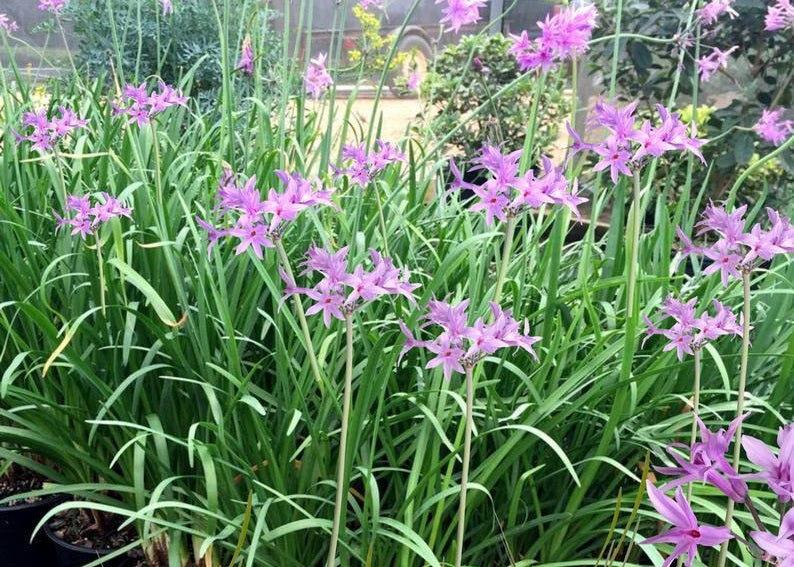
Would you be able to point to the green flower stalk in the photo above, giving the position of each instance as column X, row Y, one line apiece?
column 464, row 475
column 341, row 469
column 307, row 338
column 737, row 447
column 507, row 248
column 459, row 348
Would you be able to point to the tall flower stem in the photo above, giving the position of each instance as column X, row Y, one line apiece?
column 282, row 254
column 737, row 447
column 341, row 486
column 68, row 50
column 61, row 177
column 507, row 249
column 100, row 264
column 634, row 243
column 382, row 221
column 695, row 408
column 158, row 179
column 696, row 396
column 464, row 475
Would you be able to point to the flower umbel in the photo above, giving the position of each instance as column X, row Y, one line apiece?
column 340, row 291
column 507, row 194
column 460, row 345
column 246, row 62
column 687, row 534
column 713, row 62
column 564, row 35
column 706, row 462
column 7, row 23
column 143, row 106
column 736, row 250
column 362, row 166
column 48, row 131
column 243, row 214
column 712, row 11
column 317, row 79
column 86, row 217
column 54, row 6
column 772, row 128
column 690, row 332
column 780, row 15
column 459, row 13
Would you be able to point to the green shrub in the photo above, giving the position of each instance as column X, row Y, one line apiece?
column 169, row 46
column 479, row 73
column 758, row 76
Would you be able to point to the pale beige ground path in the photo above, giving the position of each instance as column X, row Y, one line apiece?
column 396, row 116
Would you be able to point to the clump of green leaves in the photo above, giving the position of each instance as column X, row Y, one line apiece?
column 139, row 41
column 477, row 92
column 759, row 75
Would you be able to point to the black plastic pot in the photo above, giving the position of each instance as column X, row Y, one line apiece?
column 16, row 526
column 68, row 555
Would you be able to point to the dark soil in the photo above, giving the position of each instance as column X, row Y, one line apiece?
column 22, row 480
column 81, row 528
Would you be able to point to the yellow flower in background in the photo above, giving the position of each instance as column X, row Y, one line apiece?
column 702, row 115
column 39, row 98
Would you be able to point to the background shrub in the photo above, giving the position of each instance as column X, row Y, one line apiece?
column 169, row 47
column 758, row 76
column 468, row 75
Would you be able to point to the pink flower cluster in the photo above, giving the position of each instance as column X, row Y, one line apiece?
column 780, row 547
column 168, row 8
column 687, row 533
column 459, row 13
column 87, row 217
column 563, row 36
column 772, row 128
column 142, row 105
column 736, row 250
column 47, row 131
column 459, row 345
column 340, row 292
column 413, row 81
column 706, row 462
column 246, row 62
column 711, row 12
column 713, row 62
column 258, row 222
column 54, row 6
column 507, row 194
column 367, row 4
column 779, row 16
column 7, row 23
column 317, row 78
column 690, row 331
column 777, row 470
column 363, row 166
column 626, row 145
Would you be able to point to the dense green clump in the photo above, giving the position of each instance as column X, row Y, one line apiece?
column 138, row 40
column 478, row 76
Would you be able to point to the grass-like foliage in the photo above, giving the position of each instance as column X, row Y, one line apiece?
column 165, row 360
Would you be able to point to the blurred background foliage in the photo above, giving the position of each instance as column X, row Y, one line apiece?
column 759, row 76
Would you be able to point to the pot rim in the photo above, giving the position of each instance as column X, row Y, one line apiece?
column 96, row 551
column 46, row 500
